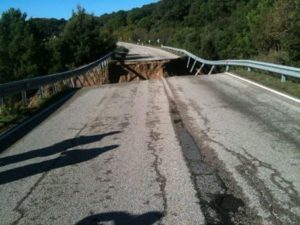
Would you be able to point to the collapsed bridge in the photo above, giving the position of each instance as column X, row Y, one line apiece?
column 163, row 149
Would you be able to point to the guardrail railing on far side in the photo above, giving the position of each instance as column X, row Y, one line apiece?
column 284, row 71
column 67, row 78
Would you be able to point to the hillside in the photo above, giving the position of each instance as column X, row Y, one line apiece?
column 267, row 30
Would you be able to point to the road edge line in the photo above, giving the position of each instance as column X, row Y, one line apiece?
column 265, row 87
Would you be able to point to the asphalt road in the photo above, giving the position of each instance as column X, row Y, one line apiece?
column 144, row 53
column 251, row 135
column 186, row 150
column 111, row 153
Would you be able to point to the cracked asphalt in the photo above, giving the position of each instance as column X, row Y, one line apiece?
column 185, row 150
column 251, row 136
column 110, row 154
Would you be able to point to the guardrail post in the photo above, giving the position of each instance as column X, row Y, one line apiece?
column 283, row 78
column 249, row 69
column 80, row 83
column 101, row 67
column 54, row 88
column 106, row 67
column 24, row 98
column 200, row 69
column 193, row 66
column 227, row 68
column 72, row 83
column 211, row 70
column 1, row 102
column 41, row 92
column 188, row 62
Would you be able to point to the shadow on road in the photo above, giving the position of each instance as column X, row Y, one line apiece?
column 136, row 57
column 54, row 149
column 66, row 158
column 122, row 218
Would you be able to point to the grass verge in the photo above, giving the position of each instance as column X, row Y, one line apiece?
column 290, row 87
column 13, row 114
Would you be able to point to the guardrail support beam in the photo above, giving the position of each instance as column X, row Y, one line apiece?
column 200, row 69
column 249, row 69
column 1, row 102
column 192, row 69
column 80, row 81
column 188, row 62
column 54, row 88
column 24, row 98
column 72, row 83
column 283, row 78
column 227, row 68
column 211, row 70
column 41, row 92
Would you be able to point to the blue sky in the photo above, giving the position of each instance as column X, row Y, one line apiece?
column 63, row 8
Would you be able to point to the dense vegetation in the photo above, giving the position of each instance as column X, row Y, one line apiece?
column 31, row 47
column 267, row 30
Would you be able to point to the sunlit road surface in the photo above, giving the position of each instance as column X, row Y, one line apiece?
column 254, row 134
column 111, row 151
column 144, row 53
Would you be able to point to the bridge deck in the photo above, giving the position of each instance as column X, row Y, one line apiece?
column 114, row 151
column 144, row 53
column 109, row 149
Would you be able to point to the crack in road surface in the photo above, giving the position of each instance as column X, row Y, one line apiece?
column 17, row 208
column 218, row 204
column 270, row 196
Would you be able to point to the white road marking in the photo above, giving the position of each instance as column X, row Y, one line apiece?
column 264, row 87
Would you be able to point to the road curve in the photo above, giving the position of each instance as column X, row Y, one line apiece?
column 144, row 53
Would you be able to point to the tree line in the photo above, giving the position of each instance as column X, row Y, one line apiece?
column 267, row 30
column 37, row 46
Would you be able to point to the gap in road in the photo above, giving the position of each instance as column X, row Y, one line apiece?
column 127, row 71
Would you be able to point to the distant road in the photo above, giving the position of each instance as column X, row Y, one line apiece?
column 144, row 53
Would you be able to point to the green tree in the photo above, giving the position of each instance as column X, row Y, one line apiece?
column 82, row 39
column 19, row 47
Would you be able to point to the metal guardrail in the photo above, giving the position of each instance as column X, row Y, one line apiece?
column 270, row 67
column 39, row 82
